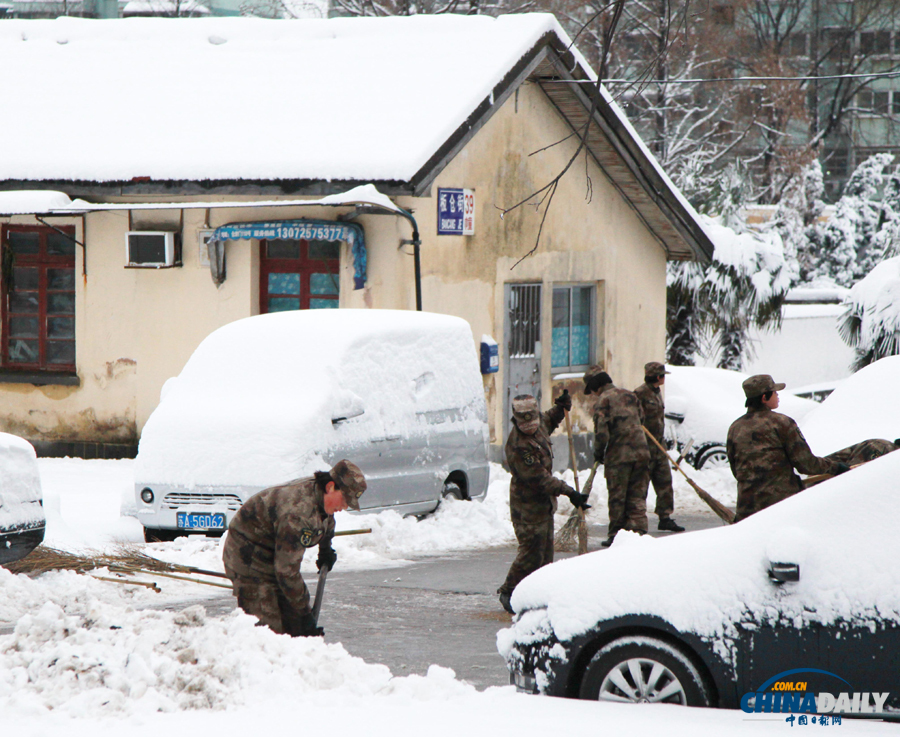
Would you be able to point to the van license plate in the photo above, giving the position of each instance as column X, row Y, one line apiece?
column 197, row 521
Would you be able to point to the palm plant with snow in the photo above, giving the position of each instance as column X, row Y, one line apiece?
column 871, row 322
column 743, row 287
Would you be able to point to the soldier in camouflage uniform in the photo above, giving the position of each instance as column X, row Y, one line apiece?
column 655, row 421
column 620, row 445
column 533, row 488
column 764, row 448
column 269, row 535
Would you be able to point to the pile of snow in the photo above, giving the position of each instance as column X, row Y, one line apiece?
column 83, row 656
column 254, row 404
column 865, row 405
column 711, row 399
column 20, row 483
column 828, row 532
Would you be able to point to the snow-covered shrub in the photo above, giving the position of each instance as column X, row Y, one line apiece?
column 871, row 324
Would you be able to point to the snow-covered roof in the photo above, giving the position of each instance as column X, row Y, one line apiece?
column 247, row 98
column 344, row 100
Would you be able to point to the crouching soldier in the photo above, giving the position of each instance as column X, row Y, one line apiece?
column 533, row 488
column 269, row 535
column 764, row 447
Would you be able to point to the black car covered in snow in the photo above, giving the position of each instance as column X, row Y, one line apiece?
column 794, row 610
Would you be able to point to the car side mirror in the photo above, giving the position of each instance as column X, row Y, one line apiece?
column 780, row 573
column 347, row 416
column 676, row 408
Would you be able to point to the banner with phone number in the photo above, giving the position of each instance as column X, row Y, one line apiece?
column 318, row 230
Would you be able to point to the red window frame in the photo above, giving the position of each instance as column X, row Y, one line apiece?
column 302, row 265
column 43, row 261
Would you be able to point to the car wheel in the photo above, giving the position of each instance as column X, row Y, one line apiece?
column 157, row 535
column 715, row 457
column 643, row 669
column 452, row 490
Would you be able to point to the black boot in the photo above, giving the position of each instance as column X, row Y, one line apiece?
column 504, row 602
column 667, row 524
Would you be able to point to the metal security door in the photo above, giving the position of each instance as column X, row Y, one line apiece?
column 523, row 345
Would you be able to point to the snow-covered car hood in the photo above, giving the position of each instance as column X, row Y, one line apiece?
column 702, row 582
column 865, row 405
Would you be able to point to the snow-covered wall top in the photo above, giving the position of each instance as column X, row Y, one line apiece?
column 247, row 98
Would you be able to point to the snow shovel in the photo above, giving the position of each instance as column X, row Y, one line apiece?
column 724, row 513
column 320, row 593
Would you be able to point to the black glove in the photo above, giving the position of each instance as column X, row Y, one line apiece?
column 841, row 468
column 306, row 627
column 598, row 457
column 327, row 556
column 579, row 501
column 564, row 401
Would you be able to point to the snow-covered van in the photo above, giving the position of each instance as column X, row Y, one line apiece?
column 22, row 518
column 278, row 396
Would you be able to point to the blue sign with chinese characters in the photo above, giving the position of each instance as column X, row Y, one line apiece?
column 456, row 211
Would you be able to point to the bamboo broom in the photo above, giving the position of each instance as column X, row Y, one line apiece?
column 565, row 538
column 723, row 512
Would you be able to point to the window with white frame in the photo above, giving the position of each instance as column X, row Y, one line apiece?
column 573, row 309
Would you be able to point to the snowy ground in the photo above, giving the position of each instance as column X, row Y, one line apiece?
column 87, row 657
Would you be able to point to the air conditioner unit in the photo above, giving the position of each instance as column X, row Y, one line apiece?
column 153, row 249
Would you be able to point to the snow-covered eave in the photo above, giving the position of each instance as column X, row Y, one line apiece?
column 48, row 202
column 569, row 82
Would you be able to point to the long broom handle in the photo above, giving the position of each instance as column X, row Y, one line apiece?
column 582, row 523
column 203, row 571
column 724, row 513
column 572, row 460
column 825, row 476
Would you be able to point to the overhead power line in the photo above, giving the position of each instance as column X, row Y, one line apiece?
column 719, row 80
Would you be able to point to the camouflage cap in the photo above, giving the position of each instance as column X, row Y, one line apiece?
column 757, row 385
column 350, row 480
column 655, row 368
column 594, row 378
column 527, row 413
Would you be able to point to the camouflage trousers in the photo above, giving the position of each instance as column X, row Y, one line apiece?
column 535, row 550
column 626, row 485
column 661, row 478
column 266, row 602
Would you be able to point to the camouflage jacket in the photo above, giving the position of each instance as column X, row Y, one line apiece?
column 533, row 488
column 764, row 448
column 867, row 450
column 272, row 530
column 618, row 437
column 654, row 413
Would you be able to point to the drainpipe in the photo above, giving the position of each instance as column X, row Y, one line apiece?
column 417, row 262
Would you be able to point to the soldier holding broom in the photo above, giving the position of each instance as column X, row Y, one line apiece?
column 533, row 488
